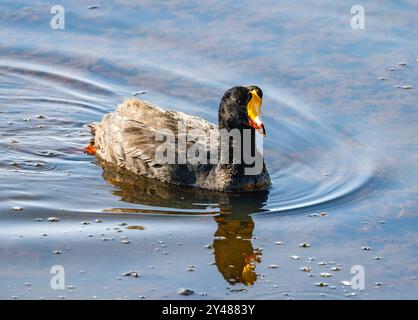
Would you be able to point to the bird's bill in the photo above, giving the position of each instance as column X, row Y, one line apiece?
column 254, row 113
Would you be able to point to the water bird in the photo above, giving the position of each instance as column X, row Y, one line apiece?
column 126, row 138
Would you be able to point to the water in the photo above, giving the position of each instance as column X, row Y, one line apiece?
column 339, row 141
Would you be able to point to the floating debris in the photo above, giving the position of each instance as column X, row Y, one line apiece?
column 98, row 221
column 203, row 294
column 273, row 266
column 403, row 64
column 185, row 292
column 346, row 283
column 377, row 258
column 337, row 268
column 138, row 93
column 123, row 224
column 135, row 228
column 279, row 243
column 70, row 287
column 325, row 275
column 133, row 274
column 39, row 219
column 322, row 263
column 208, row 246
column 378, row 284
column 57, row 252
column 53, row 219
column 366, row 248
column 295, row 257
column 408, row 87
column 305, row 269
column 125, row 241
column 381, row 78
column 321, row 284
column 92, row 7
column 323, row 213
column 304, row 245
column 17, row 208
column 85, row 223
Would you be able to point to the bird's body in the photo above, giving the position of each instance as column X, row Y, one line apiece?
column 127, row 138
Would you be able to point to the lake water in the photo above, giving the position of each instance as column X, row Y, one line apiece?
column 341, row 118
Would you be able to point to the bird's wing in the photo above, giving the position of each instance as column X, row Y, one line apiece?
column 127, row 137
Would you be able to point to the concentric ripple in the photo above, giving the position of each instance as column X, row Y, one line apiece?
column 44, row 132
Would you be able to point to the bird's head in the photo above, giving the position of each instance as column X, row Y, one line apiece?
column 241, row 108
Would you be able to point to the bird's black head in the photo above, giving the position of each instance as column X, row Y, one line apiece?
column 240, row 108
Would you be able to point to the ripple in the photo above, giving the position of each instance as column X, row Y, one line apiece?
column 310, row 163
column 29, row 166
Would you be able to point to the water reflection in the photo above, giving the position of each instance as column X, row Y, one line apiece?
column 235, row 256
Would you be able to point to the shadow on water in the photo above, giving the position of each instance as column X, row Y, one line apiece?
column 235, row 256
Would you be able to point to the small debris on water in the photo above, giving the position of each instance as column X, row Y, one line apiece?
column 295, row 257
column 366, row 248
column 133, row 274
column 403, row 64
column 92, row 7
column 273, row 266
column 346, row 283
column 53, row 219
column 185, row 292
column 305, row 269
column 321, row 284
column 17, row 208
column 126, row 241
column 408, row 87
column 336, row 268
column 135, row 228
column 57, row 252
column 377, row 258
column 84, row 223
column 279, row 243
column 138, row 93
column 325, row 275
column 304, row 245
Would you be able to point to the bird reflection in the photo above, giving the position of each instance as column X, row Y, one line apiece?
column 235, row 256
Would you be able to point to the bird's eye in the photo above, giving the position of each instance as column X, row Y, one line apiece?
column 249, row 96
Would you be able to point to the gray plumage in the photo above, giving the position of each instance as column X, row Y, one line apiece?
column 126, row 138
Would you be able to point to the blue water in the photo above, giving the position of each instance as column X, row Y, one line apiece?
column 340, row 141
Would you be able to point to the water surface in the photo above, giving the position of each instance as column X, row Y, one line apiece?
column 341, row 141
